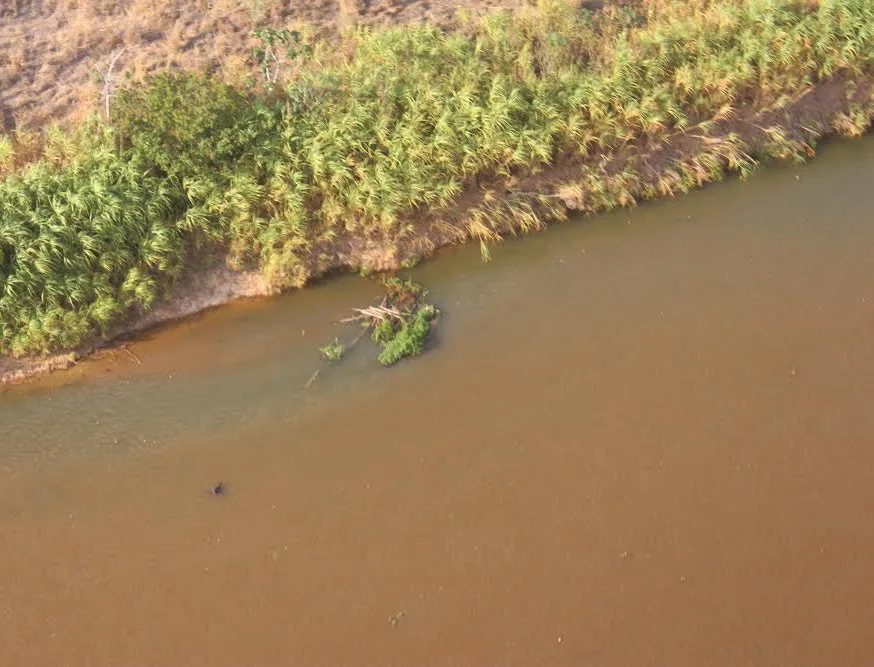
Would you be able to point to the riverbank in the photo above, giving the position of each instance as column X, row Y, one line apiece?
column 418, row 139
column 199, row 291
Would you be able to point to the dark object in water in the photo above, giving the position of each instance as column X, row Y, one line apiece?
column 219, row 489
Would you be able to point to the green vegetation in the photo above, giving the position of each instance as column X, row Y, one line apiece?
column 404, row 332
column 7, row 152
column 359, row 142
column 333, row 351
column 409, row 338
column 82, row 246
column 401, row 323
column 276, row 49
column 383, row 331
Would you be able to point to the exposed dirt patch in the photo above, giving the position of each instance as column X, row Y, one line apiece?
column 203, row 290
column 13, row 371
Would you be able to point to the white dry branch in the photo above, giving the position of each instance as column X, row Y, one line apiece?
column 375, row 313
column 106, row 78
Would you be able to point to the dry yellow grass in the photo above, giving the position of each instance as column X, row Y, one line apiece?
column 50, row 49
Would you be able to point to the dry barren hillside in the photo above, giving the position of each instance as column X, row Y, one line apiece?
column 49, row 49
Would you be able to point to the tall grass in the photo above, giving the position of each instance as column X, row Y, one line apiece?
column 371, row 134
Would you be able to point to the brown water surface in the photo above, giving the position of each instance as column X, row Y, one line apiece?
column 642, row 439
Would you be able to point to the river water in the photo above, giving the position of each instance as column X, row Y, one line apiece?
column 645, row 438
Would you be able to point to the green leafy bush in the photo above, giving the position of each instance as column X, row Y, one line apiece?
column 333, row 351
column 82, row 246
column 409, row 340
column 185, row 124
column 383, row 331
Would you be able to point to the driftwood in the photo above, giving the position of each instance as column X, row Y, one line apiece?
column 130, row 353
column 375, row 313
column 399, row 324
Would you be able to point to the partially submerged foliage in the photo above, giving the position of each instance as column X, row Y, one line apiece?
column 409, row 338
column 333, row 351
column 365, row 138
column 401, row 323
column 404, row 336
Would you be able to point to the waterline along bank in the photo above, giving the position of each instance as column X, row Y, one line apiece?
column 372, row 153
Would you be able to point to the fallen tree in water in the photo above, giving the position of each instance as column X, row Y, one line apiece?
column 400, row 324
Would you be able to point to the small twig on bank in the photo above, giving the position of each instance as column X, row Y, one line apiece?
column 527, row 193
column 131, row 354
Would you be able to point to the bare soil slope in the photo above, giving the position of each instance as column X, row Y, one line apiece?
column 49, row 49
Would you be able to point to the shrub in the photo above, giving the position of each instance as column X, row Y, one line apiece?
column 410, row 338
column 81, row 247
column 184, row 124
column 333, row 351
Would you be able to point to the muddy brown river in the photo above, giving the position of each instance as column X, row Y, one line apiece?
column 641, row 439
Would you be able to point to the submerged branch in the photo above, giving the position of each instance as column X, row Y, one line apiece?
column 378, row 313
column 400, row 323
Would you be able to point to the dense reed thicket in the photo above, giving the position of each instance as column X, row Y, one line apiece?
column 366, row 135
